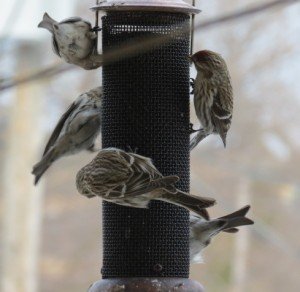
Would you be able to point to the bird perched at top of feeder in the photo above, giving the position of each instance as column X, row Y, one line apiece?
column 76, row 130
column 203, row 229
column 213, row 96
column 74, row 41
column 132, row 180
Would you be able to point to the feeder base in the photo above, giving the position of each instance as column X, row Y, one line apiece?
column 146, row 285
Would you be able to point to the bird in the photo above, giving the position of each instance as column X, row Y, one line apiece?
column 76, row 130
column 74, row 41
column 132, row 180
column 213, row 96
column 203, row 229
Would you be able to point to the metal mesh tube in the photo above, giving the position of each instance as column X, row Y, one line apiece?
column 146, row 109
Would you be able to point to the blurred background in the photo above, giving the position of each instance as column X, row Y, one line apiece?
column 50, row 236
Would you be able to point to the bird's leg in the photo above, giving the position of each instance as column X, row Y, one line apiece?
column 191, row 129
column 192, row 83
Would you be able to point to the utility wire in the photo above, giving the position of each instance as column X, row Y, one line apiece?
column 138, row 46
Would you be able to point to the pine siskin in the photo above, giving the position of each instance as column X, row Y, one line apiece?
column 203, row 229
column 132, row 180
column 76, row 130
column 213, row 96
column 74, row 41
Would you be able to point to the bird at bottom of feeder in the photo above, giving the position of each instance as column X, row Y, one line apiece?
column 213, row 96
column 203, row 229
column 129, row 179
column 76, row 130
column 74, row 41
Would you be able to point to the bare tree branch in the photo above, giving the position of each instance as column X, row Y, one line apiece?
column 138, row 46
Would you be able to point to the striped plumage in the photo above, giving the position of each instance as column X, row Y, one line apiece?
column 213, row 96
column 203, row 229
column 76, row 130
column 132, row 180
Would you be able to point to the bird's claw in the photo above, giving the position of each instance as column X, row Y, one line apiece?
column 96, row 28
column 191, row 129
column 192, row 83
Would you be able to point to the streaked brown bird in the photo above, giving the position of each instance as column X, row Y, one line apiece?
column 74, row 41
column 213, row 96
column 132, row 180
column 76, row 130
column 203, row 229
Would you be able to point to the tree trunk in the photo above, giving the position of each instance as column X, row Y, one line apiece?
column 22, row 201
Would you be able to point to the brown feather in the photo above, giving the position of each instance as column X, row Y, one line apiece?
column 57, row 130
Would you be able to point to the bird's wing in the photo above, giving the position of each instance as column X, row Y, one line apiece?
column 57, row 130
column 221, row 118
column 147, row 187
column 55, row 46
column 145, row 178
column 74, row 20
column 71, row 20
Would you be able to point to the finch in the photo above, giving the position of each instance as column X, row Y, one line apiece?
column 74, row 41
column 129, row 179
column 76, row 130
column 203, row 229
column 213, row 96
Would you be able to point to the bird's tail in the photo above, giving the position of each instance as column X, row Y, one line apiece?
column 40, row 168
column 192, row 203
column 236, row 219
column 197, row 139
column 47, row 22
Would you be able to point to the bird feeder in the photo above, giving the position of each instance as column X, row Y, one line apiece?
column 146, row 109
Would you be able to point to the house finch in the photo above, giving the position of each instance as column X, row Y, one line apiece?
column 132, row 180
column 76, row 130
column 203, row 229
column 73, row 40
column 213, row 97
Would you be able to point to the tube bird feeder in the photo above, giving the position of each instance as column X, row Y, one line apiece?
column 146, row 109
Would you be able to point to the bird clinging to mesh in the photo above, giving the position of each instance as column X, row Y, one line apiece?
column 76, row 130
column 213, row 96
column 203, row 229
column 132, row 180
column 74, row 41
